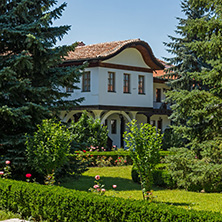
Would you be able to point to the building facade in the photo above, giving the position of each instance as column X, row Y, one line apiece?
column 120, row 84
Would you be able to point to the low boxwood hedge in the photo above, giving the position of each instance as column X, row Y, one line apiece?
column 61, row 204
column 116, row 154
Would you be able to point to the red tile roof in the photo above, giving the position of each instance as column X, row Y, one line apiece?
column 102, row 51
column 97, row 50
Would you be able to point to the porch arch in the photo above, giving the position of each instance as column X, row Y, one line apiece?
column 115, row 112
column 72, row 113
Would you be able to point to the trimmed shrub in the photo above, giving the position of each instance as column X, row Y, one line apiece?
column 61, row 204
column 161, row 177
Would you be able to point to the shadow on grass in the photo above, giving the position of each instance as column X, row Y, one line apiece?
column 175, row 204
column 85, row 182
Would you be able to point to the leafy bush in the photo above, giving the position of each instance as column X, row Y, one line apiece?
column 60, row 204
column 47, row 149
column 88, row 132
column 144, row 143
column 161, row 177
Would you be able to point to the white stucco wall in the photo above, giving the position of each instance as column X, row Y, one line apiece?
column 92, row 97
column 165, row 120
column 130, row 57
column 118, row 98
column 141, row 118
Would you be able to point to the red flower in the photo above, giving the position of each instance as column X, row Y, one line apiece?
column 97, row 177
column 7, row 162
column 84, row 151
column 28, row 175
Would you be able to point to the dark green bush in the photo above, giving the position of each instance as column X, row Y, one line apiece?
column 197, row 173
column 60, row 204
column 161, row 177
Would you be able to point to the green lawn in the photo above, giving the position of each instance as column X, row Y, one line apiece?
column 126, row 188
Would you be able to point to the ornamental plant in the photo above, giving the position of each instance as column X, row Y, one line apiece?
column 7, row 170
column 102, row 161
column 121, row 161
column 48, row 148
column 98, row 187
column 28, row 176
column 144, row 143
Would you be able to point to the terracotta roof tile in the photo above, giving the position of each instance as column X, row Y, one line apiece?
column 97, row 50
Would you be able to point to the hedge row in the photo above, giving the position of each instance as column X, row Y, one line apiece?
column 116, row 154
column 61, row 204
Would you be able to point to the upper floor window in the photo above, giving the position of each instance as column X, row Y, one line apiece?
column 86, row 82
column 126, row 83
column 158, row 95
column 111, row 82
column 141, row 85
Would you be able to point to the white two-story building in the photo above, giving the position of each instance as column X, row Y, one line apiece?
column 119, row 85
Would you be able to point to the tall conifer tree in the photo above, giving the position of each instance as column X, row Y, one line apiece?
column 30, row 77
column 195, row 92
column 197, row 97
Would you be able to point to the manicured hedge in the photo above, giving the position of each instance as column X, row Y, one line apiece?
column 116, row 154
column 61, row 204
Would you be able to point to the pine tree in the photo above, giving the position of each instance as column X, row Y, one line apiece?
column 30, row 76
column 197, row 106
column 191, row 94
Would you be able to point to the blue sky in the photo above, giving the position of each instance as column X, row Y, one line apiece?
column 95, row 21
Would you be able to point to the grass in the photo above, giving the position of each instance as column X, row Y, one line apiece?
column 126, row 188
column 7, row 215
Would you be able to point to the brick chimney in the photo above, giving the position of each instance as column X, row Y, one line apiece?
column 81, row 43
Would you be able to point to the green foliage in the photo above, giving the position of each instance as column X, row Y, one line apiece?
column 47, row 150
column 30, row 76
column 144, row 144
column 60, row 204
column 171, row 139
column 192, row 173
column 75, row 166
column 88, row 132
column 161, row 177
column 197, row 113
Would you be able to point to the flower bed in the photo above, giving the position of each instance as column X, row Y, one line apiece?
column 110, row 158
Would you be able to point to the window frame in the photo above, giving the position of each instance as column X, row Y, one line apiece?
column 86, row 82
column 158, row 95
column 126, row 83
column 141, row 84
column 113, row 124
column 111, row 82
